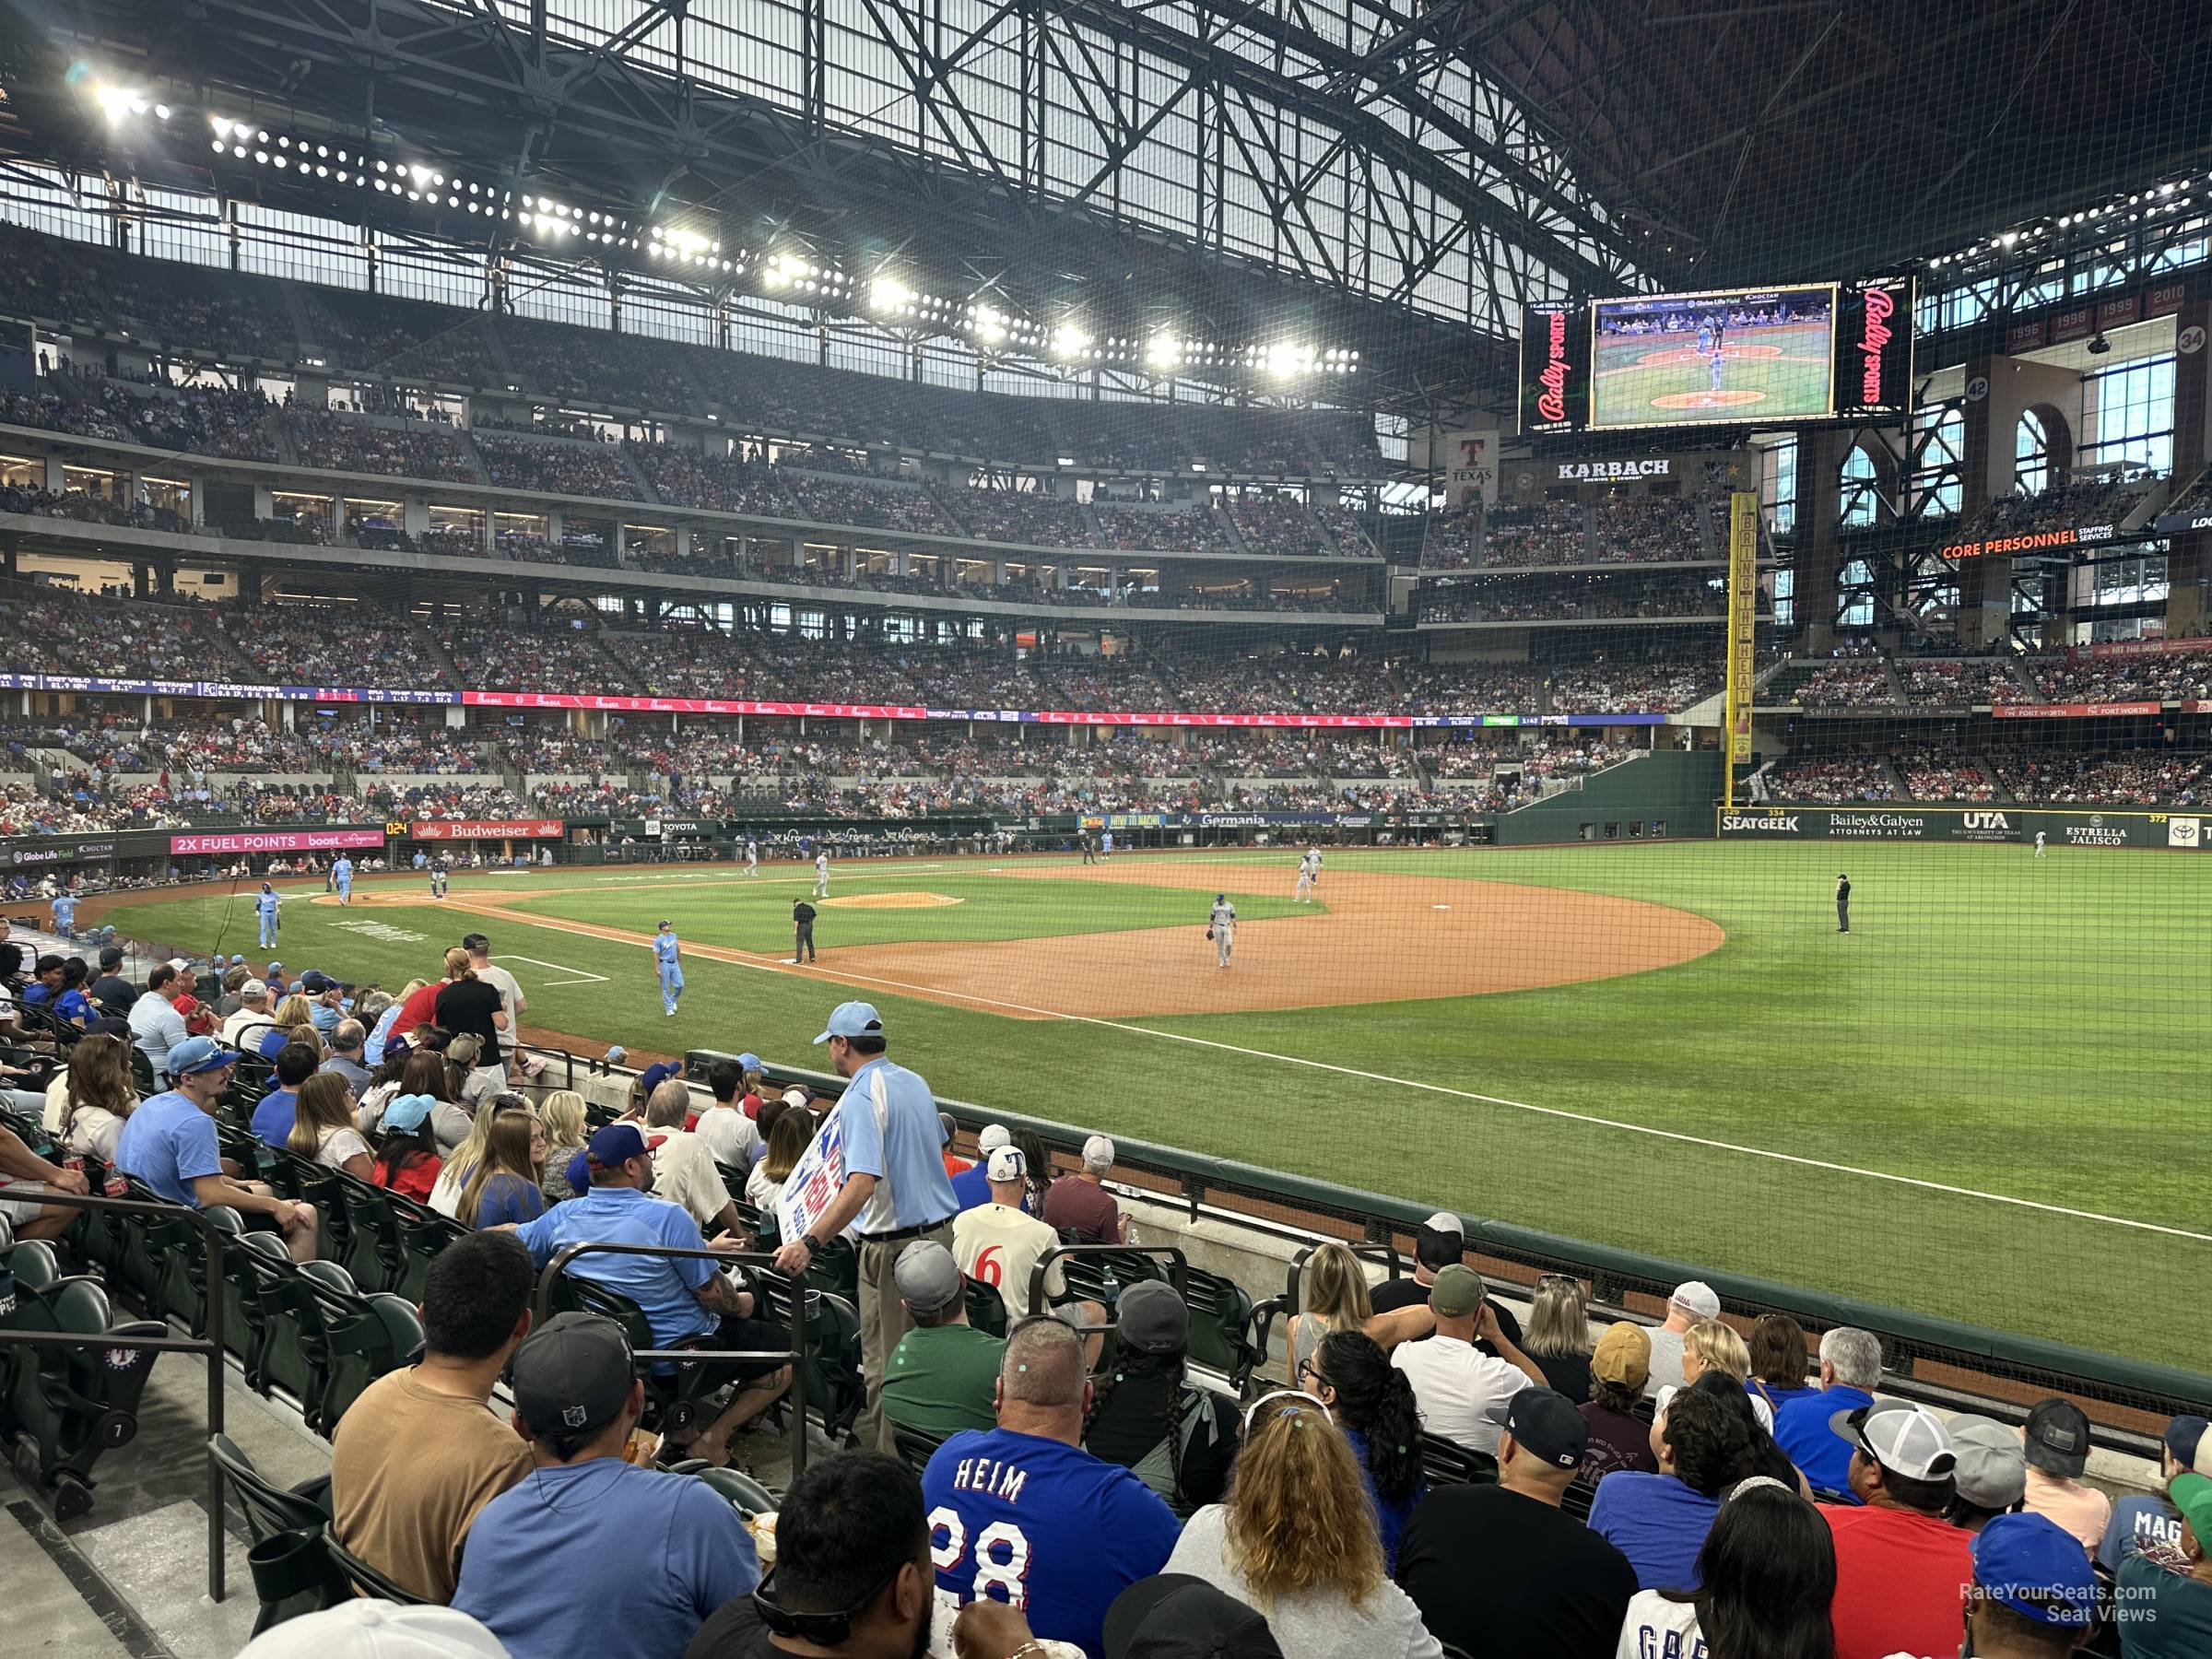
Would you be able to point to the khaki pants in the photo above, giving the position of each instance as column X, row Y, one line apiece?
column 883, row 1320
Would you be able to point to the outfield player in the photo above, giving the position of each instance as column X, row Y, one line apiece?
column 265, row 912
column 1221, row 928
column 671, row 969
column 752, row 856
column 341, row 875
column 64, row 915
column 821, row 874
column 2038, row 843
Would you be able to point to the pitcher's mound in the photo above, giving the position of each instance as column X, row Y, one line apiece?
column 891, row 901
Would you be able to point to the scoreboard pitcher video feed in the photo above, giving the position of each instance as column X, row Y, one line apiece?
column 1730, row 358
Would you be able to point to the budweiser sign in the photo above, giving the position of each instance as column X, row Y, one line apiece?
column 1874, row 339
column 485, row 829
column 1551, row 403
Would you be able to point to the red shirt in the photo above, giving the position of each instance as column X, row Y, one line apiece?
column 751, row 1104
column 414, row 1182
column 1074, row 1205
column 953, row 1166
column 198, row 1019
column 420, row 1010
column 1900, row 1582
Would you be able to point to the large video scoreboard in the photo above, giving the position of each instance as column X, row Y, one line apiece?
column 1785, row 356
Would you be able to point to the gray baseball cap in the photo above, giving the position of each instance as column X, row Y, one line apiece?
column 929, row 1280
column 1992, row 1468
column 1151, row 1318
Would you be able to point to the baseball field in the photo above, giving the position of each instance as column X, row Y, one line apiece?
column 1986, row 1101
column 1771, row 373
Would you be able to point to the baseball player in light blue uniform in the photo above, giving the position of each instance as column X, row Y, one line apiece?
column 65, row 912
column 1221, row 927
column 342, row 873
column 265, row 912
column 672, row 971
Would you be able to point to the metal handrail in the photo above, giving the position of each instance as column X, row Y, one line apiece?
column 209, row 1347
column 795, row 1356
column 1178, row 1265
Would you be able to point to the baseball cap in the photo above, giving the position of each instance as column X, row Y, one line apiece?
column 1098, row 1152
column 108, row 1025
column 313, row 983
column 993, row 1136
column 255, row 988
column 2057, row 1437
column 406, row 1113
column 2192, row 1494
column 1543, row 1420
column 1457, row 1291
column 112, row 957
column 1444, row 1221
column 1151, row 1318
column 275, row 967
column 197, row 1055
column 749, row 1063
column 852, row 1019
column 665, row 922
column 795, row 1096
column 1006, row 1163
column 2189, row 1443
column 928, row 1277
column 377, row 1630
column 1910, row 1440
column 658, row 1072
column 572, row 1374
column 618, row 1144
column 2035, row 1567
column 236, row 960
column 181, row 964
column 1695, row 1296
column 1175, row 1615
column 1623, row 1355
column 1991, row 1472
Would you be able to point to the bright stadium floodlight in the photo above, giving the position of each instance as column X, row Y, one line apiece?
column 987, row 323
column 1068, row 341
column 1163, row 351
column 890, row 296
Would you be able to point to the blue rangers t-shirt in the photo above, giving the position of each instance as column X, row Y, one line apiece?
column 1041, row 1525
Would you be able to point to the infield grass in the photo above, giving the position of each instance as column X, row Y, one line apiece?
column 2013, row 1029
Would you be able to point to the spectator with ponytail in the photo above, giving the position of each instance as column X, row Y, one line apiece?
column 1177, row 1440
column 1296, row 1541
column 1372, row 1403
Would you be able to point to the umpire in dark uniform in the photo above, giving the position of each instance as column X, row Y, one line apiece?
column 1843, row 904
column 802, row 925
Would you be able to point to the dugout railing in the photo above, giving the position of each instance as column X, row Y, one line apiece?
column 1942, row 1360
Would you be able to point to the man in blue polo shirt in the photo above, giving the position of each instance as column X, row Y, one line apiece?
column 1851, row 1364
column 685, row 1298
column 895, row 1187
column 168, row 1143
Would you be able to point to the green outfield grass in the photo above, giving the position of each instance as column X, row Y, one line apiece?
column 2016, row 1030
column 1766, row 375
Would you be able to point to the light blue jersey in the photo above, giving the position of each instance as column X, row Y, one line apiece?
column 265, row 912
column 671, row 970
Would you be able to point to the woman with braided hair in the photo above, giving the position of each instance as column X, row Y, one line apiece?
column 1176, row 1439
column 1372, row 1403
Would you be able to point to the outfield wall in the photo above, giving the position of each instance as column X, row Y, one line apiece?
column 1660, row 794
column 2061, row 827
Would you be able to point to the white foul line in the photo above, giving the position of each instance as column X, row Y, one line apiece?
column 584, row 976
column 1468, row 1094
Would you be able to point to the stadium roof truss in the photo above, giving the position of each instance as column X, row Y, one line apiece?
column 1331, row 168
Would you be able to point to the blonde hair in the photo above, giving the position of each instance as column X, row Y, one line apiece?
column 562, row 1114
column 295, row 1011
column 1299, row 1520
column 1718, row 1346
column 1332, row 1287
column 320, row 1113
column 458, row 966
column 1559, row 1319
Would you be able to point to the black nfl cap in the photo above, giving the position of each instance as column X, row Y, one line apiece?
column 572, row 1375
column 1545, row 1422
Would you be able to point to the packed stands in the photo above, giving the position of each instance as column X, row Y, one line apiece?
column 1945, row 683
column 358, row 444
column 1548, row 533
column 2150, row 678
column 2068, row 777
column 2096, row 499
column 1937, row 773
column 561, row 467
column 1200, row 529
column 1831, row 779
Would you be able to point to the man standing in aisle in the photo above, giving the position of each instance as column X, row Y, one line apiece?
column 1843, row 904
column 341, row 876
column 1221, row 927
column 671, row 970
column 895, row 1187
column 821, row 873
column 802, row 932
column 265, row 913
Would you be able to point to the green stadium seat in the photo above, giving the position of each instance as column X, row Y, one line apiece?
column 1447, row 1462
column 372, row 1250
column 1220, row 1336
column 365, row 1578
column 383, row 1336
column 423, row 1232
column 986, row 1308
column 915, row 1447
column 66, row 1406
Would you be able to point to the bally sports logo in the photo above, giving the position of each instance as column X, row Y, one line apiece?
column 1874, row 339
column 1551, row 403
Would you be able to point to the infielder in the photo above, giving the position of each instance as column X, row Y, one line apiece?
column 2038, row 843
column 440, row 872
column 1308, row 866
column 265, row 912
column 1221, row 928
column 821, row 874
column 341, row 874
column 671, row 969
column 752, row 856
